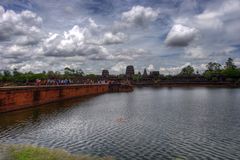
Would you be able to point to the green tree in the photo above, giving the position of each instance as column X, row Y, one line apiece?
column 231, row 70
column 187, row 71
column 230, row 64
column 18, row 77
column 16, row 72
column 213, row 66
column 79, row 72
column 50, row 74
column 91, row 76
column 137, row 77
column 69, row 71
column 1, row 77
column 7, row 73
column 7, row 76
column 57, row 75
column 213, row 71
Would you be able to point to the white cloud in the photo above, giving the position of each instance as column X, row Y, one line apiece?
column 129, row 54
column 119, row 67
column 77, row 38
column 205, row 51
column 237, row 62
column 216, row 28
column 208, row 21
column 1, row 10
column 20, row 36
column 180, row 35
column 173, row 70
column 215, row 17
column 150, row 67
column 75, row 43
column 229, row 7
column 99, row 53
column 176, row 70
column 68, row 44
column 138, row 16
column 93, row 25
column 19, row 53
column 114, row 38
column 195, row 52
column 28, row 43
column 25, row 24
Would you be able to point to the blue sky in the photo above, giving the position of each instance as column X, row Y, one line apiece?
column 163, row 35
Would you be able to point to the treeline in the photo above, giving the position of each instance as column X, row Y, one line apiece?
column 214, row 72
column 16, row 77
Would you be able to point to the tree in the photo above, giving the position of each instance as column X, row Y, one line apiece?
column 230, row 64
column 6, row 76
column 50, row 74
column 91, row 76
column 1, row 77
column 17, row 76
column 231, row 73
column 213, row 66
column 137, row 77
column 187, row 71
column 68, row 72
column 15, row 72
column 7, row 73
column 79, row 72
column 213, row 71
column 231, row 70
column 57, row 74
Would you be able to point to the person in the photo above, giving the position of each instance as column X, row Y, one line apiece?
column 38, row 82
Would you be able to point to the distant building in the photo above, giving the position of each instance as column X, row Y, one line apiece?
column 145, row 73
column 129, row 71
column 105, row 73
column 154, row 74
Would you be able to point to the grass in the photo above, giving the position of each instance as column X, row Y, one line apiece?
column 28, row 152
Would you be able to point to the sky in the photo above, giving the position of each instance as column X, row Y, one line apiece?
column 162, row 35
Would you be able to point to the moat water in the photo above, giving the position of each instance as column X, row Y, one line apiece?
column 163, row 123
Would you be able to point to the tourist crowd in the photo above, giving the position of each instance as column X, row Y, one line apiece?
column 48, row 82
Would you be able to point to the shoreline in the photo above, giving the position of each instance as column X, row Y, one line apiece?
column 189, row 84
column 143, row 84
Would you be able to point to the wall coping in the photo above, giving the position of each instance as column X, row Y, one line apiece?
column 8, row 88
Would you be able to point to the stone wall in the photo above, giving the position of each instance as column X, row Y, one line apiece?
column 15, row 98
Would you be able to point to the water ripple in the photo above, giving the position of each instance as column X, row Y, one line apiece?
column 196, row 123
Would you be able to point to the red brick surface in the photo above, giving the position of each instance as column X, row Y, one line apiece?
column 15, row 98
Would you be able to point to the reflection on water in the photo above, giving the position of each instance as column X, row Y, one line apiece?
column 163, row 123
